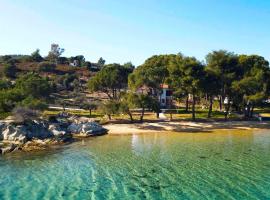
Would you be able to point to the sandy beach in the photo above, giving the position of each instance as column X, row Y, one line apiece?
column 183, row 126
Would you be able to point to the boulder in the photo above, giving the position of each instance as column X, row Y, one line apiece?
column 8, row 148
column 57, row 130
column 15, row 133
column 79, row 120
column 74, row 128
column 39, row 130
column 2, row 126
column 87, row 129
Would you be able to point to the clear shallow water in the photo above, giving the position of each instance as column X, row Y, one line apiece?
column 223, row 165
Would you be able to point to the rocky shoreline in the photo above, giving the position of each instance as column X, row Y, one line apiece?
column 40, row 134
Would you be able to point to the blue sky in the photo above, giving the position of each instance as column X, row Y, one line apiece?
column 133, row 30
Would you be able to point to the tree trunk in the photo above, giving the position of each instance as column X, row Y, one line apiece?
column 157, row 115
column 130, row 116
column 227, row 108
column 110, row 117
column 90, row 112
column 187, row 104
column 247, row 111
column 210, row 107
column 193, row 107
column 142, row 115
column 220, row 103
column 251, row 111
column 171, row 116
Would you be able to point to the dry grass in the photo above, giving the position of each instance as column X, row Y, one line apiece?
column 84, row 113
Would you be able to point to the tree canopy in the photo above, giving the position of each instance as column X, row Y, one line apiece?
column 110, row 80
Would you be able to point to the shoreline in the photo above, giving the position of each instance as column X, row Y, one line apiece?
column 182, row 126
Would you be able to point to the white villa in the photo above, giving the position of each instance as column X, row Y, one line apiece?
column 164, row 97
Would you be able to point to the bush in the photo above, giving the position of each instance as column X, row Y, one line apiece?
column 35, row 104
column 4, row 84
column 9, row 99
column 46, row 67
column 10, row 70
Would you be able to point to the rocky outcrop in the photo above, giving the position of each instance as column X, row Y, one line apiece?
column 2, row 126
column 57, row 130
column 86, row 129
column 14, row 133
column 7, row 148
column 40, row 134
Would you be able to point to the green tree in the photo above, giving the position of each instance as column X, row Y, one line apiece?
column 185, row 77
column 35, row 56
column 129, row 66
column 193, row 71
column 9, row 99
column 55, row 53
column 110, row 108
column 87, row 104
column 101, row 62
column 128, row 101
column 33, row 85
column 211, row 88
column 253, row 87
column 224, row 65
column 151, row 75
column 110, row 80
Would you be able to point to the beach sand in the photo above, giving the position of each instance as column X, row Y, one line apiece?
column 184, row 126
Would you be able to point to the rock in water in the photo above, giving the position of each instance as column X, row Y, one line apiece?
column 38, row 130
column 9, row 148
column 87, row 129
column 57, row 131
column 74, row 128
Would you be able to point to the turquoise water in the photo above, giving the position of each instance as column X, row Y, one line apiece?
column 221, row 165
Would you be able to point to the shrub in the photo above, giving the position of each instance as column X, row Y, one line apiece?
column 4, row 84
column 46, row 67
column 10, row 70
column 35, row 104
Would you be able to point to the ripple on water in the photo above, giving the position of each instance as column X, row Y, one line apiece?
column 227, row 165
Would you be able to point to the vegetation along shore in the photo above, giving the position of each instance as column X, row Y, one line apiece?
column 55, row 96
